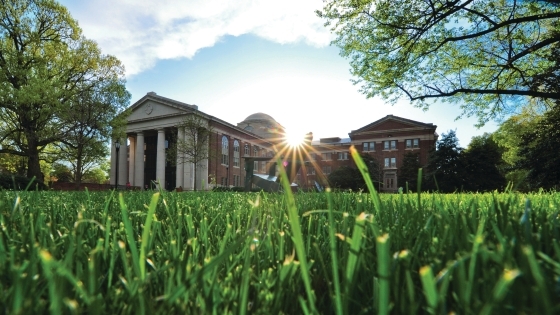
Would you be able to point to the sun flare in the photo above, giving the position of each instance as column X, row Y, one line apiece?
column 294, row 139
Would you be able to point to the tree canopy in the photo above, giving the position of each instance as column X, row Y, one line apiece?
column 195, row 146
column 483, row 163
column 446, row 171
column 45, row 64
column 538, row 153
column 486, row 55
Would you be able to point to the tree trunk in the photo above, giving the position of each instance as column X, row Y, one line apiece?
column 195, row 169
column 78, row 171
column 33, row 166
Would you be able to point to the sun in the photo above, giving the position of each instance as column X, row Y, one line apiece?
column 294, row 139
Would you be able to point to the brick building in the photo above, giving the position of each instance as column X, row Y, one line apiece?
column 154, row 125
column 387, row 140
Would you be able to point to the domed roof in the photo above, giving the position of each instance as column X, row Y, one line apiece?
column 260, row 116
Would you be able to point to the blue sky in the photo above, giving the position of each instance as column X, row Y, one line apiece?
column 236, row 58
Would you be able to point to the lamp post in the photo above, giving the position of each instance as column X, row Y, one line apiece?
column 117, row 147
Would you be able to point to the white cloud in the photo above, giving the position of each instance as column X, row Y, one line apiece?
column 140, row 32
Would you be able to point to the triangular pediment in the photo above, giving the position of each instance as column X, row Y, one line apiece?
column 152, row 107
column 392, row 123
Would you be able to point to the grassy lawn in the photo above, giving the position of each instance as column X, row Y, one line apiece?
column 260, row 253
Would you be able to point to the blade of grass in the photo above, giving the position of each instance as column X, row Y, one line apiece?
column 130, row 237
column 297, row 236
column 383, row 270
column 146, row 235
column 334, row 255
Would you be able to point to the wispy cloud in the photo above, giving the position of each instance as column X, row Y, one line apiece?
column 140, row 32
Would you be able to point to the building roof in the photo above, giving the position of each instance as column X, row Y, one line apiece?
column 410, row 122
column 260, row 116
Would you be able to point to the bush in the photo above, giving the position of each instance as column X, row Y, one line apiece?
column 18, row 182
column 233, row 189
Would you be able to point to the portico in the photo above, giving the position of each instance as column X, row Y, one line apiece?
column 153, row 127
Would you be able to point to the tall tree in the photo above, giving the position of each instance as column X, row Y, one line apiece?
column 195, row 146
column 408, row 172
column 346, row 178
column 350, row 177
column 44, row 63
column 508, row 137
column 484, row 54
column 483, row 163
column 445, row 165
column 539, row 151
column 94, row 113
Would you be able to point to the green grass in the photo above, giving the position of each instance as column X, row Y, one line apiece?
column 258, row 253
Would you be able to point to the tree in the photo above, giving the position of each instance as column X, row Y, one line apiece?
column 538, row 153
column 445, row 165
column 486, row 55
column 195, row 146
column 350, row 178
column 483, row 160
column 45, row 63
column 94, row 112
column 508, row 137
column 62, row 173
column 408, row 173
column 95, row 175
column 346, row 178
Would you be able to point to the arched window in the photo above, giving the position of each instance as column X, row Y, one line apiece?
column 247, row 152
column 236, row 153
column 225, row 150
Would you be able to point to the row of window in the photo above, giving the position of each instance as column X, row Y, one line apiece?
column 389, row 163
column 391, row 145
column 236, row 150
column 328, row 156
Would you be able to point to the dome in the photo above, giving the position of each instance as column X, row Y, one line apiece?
column 262, row 125
column 259, row 116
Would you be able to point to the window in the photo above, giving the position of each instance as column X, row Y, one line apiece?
column 369, row 146
column 326, row 156
column 225, row 150
column 236, row 180
column 390, row 145
column 313, row 156
column 326, row 169
column 412, row 143
column 263, row 163
column 343, row 155
column 236, row 153
column 390, row 183
column 247, row 151
column 390, row 162
column 310, row 170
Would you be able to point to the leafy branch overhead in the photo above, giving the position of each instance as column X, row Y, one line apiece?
column 486, row 54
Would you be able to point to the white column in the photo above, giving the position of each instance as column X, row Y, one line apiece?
column 139, row 161
column 112, row 176
column 180, row 180
column 188, row 177
column 160, row 160
column 123, row 169
column 202, row 176
column 131, row 154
